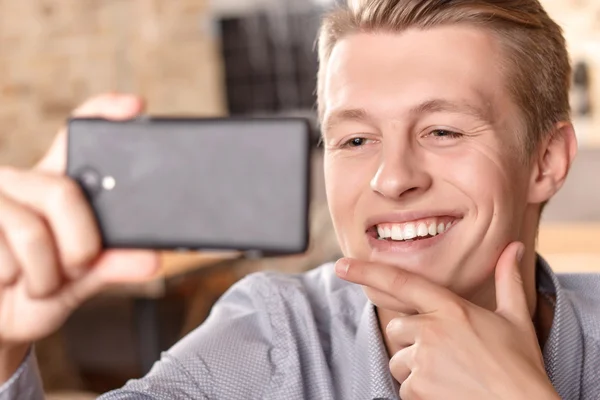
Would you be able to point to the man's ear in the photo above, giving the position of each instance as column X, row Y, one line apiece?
column 552, row 162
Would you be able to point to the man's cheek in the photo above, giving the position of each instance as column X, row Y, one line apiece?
column 476, row 277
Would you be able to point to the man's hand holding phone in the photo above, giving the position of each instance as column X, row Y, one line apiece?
column 51, row 258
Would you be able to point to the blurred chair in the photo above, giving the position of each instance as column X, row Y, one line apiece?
column 569, row 237
column 579, row 199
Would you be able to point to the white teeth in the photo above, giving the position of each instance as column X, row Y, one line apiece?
column 422, row 230
column 441, row 228
column 432, row 230
column 397, row 232
column 410, row 231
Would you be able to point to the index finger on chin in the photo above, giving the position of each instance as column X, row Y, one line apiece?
column 406, row 287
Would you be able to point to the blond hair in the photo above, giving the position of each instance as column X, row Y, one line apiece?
column 537, row 59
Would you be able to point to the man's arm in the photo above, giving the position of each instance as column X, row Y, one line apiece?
column 228, row 356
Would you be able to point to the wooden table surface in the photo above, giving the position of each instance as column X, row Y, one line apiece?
column 571, row 247
column 173, row 265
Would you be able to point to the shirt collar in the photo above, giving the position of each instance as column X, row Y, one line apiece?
column 371, row 371
column 563, row 352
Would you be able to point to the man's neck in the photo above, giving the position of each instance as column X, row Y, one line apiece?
column 544, row 317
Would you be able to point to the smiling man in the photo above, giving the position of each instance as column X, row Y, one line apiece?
column 446, row 129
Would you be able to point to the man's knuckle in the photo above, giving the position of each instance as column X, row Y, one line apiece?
column 31, row 233
column 80, row 254
column 394, row 326
column 64, row 192
column 419, row 354
column 412, row 389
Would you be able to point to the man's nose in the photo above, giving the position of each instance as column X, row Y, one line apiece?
column 401, row 174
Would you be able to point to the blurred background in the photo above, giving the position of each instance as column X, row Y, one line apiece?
column 215, row 58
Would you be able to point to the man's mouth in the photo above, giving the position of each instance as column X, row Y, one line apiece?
column 413, row 230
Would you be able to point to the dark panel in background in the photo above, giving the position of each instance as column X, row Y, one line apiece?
column 271, row 63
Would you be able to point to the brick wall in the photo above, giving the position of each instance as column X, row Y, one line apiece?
column 56, row 53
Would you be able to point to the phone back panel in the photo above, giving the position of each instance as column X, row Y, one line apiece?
column 196, row 183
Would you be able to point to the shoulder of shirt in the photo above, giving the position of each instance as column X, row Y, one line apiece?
column 320, row 287
column 583, row 292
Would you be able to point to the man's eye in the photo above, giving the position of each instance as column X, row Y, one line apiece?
column 355, row 142
column 445, row 134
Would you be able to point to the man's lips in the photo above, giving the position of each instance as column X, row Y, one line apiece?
column 401, row 217
column 407, row 231
column 411, row 225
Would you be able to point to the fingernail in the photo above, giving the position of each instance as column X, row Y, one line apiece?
column 341, row 267
column 128, row 101
column 520, row 253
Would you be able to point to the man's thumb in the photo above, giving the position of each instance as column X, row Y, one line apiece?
column 511, row 299
column 114, row 267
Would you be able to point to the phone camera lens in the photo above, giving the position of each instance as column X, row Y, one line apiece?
column 90, row 180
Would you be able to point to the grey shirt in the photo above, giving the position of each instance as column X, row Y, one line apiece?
column 314, row 336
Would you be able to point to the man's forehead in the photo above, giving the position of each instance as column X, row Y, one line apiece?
column 376, row 77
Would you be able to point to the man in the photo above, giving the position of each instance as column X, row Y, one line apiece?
column 446, row 129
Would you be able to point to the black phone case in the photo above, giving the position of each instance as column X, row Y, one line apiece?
column 224, row 183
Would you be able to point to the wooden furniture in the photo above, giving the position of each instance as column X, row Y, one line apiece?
column 571, row 247
column 179, row 272
column 174, row 266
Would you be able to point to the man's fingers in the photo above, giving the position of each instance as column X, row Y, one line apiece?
column 404, row 331
column 511, row 299
column 31, row 243
column 113, row 267
column 62, row 204
column 109, row 106
column 387, row 302
column 9, row 267
column 409, row 289
column 402, row 363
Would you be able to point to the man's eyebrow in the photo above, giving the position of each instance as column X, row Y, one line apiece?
column 459, row 107
column 354, row 114
column 427, row 107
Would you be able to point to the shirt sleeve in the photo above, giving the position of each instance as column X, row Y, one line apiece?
column 26, row 383
column 228, row 357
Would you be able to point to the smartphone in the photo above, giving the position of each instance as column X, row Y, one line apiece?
column 194, row 183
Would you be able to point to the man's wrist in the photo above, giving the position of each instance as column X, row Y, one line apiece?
column 11, row 358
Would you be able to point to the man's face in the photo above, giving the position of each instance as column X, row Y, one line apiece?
column 423, row 160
